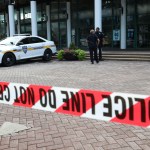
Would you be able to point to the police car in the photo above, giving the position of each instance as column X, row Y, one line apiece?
column 20, row 47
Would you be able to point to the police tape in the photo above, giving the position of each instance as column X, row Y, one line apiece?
column 132, row 109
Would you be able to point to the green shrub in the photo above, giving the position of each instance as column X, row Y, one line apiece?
column 60, row 55
column 80, row 54
column 67, row 54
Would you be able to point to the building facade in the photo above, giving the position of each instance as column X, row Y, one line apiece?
column 125, row 23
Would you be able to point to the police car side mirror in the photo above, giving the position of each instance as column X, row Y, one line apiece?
column 19, row 43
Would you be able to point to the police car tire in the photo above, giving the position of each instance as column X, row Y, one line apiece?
column 9, row 59
column 47, row 55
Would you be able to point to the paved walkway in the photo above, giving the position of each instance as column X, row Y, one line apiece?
column 65, row 132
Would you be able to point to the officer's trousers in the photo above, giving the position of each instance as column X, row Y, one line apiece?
column 99, row 52
column 93, row 57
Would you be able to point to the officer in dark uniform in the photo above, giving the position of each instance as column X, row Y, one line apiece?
column 93, row 41
column 100, row 36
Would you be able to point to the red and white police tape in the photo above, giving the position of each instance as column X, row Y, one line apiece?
column 124, row 108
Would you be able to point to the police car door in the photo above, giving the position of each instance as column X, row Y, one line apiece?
column 38, row 45
column 24, row 47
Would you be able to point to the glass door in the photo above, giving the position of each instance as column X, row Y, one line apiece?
column 59, row 33
column 63, row 34
column 2, row 26
column 55, row 33
column 107, row 22
column 59, row 23
column 143, row 23
column 116, row 23
column 131, row 23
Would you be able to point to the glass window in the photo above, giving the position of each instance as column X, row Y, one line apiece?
column 107, row 8
column 107, row 22
column 144, row 19
column 42, row 29
column 54, row 11
column 82, row 21
column 144, row 31
column 59, row 23
column 130, row 7
column 107, row 30
column 36, row 40
column 25, row 41
column 62, row 11
column 55, row 33
column 25, row 16
column 63, row 34
column 143, row 6
column 41, row 20
column 143, row 23
column 131, row 24
column 2, row 26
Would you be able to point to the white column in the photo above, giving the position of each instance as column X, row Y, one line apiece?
column 98, row 13
column 123, row 24
column 18, row 22
column 7, row 25
column 68, row 24
column 33, row 17
column 11, row 19
column 48, row 22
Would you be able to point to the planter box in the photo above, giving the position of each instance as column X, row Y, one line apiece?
column 70, row 56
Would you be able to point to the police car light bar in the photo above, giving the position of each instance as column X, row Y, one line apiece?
column 22, row 34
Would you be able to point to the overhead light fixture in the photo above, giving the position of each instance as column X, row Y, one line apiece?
column 107, row 2
column 12, row 2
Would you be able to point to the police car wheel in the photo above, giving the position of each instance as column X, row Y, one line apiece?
column 8, row 59
column 47, row 55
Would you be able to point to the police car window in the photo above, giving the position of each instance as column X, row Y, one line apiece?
column 36, row 40
column 25, row 41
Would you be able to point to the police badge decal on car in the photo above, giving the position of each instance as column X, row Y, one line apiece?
column 24, row 48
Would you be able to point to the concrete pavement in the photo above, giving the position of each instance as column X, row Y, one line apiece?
column 65, row 132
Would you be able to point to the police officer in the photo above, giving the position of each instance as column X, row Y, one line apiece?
column 100, row 36
column 93, row 41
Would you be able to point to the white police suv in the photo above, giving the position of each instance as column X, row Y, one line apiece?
column 25, row 46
